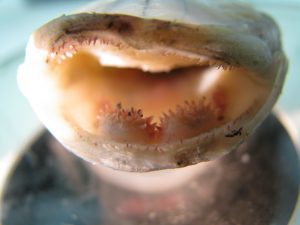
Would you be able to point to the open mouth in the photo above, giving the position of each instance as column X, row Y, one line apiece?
column 132, row 106
column 143, row 94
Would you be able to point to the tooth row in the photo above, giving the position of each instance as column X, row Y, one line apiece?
column 131, row 117
column 190, row 108
column 62, row 54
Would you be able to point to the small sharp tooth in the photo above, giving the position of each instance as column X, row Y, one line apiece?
column 165, row 115
column 62, row 57
column 171, row 112
column 52, row 55
column 69, row 54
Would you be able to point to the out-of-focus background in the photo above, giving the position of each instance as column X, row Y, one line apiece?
column 18, row 18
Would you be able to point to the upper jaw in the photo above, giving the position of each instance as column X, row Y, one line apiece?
column 135, row 40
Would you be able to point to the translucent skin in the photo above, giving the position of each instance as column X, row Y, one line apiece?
column 144, row 92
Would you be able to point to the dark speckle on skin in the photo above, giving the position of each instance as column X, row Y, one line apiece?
column 182, row 160
column 110, row 25
column 171, row 42
column 121, row 27
column 124, row 28
column 220, row 118
column 234, row 133
column 180, row 163
column 166, row 25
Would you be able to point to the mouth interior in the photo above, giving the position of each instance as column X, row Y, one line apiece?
column 133, row 106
